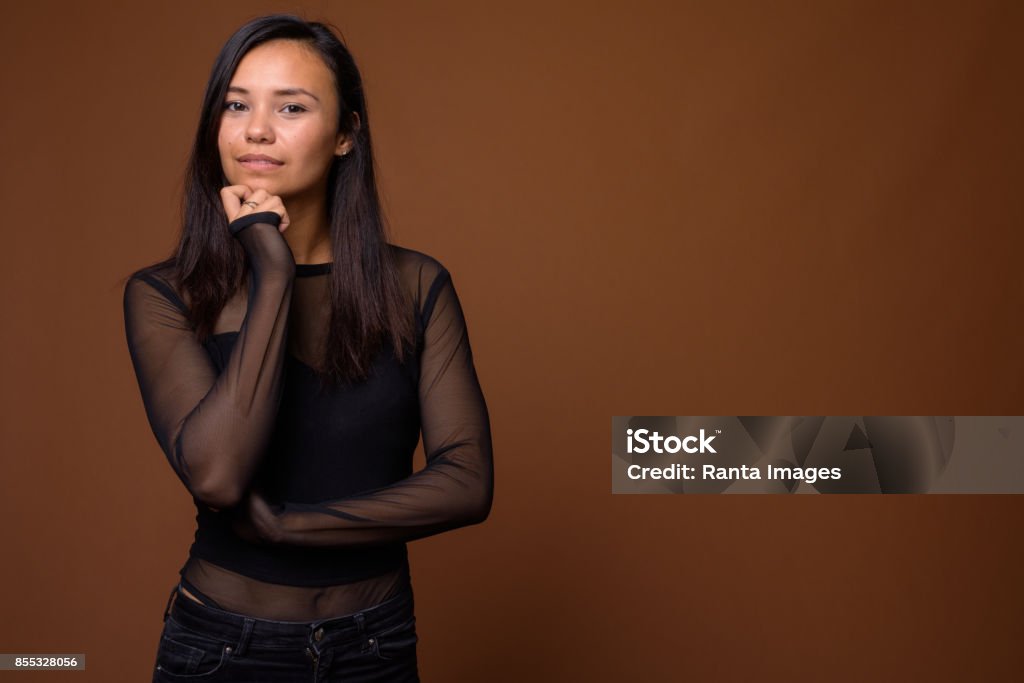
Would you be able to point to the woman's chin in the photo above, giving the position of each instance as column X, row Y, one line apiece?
column 256, row 183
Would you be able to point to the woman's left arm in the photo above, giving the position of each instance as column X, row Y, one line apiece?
column 455, row 488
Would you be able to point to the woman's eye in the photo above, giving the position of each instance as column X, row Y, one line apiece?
column 288, row 108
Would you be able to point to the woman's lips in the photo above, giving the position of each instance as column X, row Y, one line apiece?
column 260, row 164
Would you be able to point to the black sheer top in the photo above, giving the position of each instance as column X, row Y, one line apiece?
column 249, row 430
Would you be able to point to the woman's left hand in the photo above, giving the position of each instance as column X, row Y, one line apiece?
column 256, row 521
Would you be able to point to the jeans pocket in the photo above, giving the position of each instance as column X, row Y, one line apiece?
column 396, row 642
column 185, row 654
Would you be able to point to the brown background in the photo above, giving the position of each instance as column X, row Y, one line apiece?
column 806, row 208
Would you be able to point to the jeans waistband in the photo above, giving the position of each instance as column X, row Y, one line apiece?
column 241, row 628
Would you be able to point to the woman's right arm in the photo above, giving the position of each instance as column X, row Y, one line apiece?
column 214, row 428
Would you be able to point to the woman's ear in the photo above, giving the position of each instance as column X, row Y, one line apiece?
column 345, row 142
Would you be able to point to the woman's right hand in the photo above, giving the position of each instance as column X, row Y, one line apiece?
column 264, row 242
column 233, row 197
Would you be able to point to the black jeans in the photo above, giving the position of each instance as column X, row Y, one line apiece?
column 202, row 643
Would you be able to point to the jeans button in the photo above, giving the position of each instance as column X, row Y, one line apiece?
column 318, row 635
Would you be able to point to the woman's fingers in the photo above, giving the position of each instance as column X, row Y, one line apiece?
column 258, row 195
column 241, row 200
column 232, row 197
column 274, row 203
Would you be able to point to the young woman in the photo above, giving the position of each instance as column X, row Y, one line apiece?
column 288, row 357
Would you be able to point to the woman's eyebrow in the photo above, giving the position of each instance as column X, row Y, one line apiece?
column 282, row 91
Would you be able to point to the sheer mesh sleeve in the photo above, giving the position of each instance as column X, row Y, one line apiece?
column 214, row 428
column 456, row 487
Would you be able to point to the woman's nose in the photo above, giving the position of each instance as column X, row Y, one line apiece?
column 258, row 128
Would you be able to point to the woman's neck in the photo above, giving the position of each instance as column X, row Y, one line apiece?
column 308, row 234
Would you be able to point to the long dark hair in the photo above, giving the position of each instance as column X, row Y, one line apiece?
column 368, row 304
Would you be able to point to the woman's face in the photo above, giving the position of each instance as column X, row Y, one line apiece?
column 280, row 103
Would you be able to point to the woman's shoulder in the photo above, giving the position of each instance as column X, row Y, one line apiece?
column 163, row 277
column 423, row 275
column 411, row 258
column 161, row 269
column 416, row 266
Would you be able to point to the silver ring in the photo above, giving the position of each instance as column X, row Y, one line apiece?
column 250, row 203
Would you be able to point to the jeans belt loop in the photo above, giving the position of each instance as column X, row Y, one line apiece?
column 243, row 641
column 360, row 618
